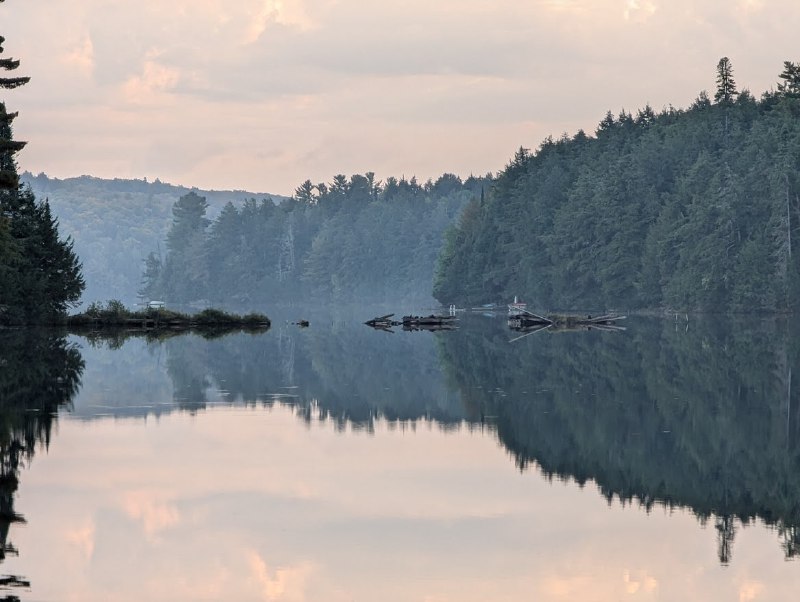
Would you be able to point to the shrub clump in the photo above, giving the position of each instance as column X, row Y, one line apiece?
column 115, row 314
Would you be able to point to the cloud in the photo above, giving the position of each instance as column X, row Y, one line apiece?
column 153, row 80
column 749, row 6
column 287, row 12
column 81, row 56
column 639, row 10
column 285, row 584
column 273, row 81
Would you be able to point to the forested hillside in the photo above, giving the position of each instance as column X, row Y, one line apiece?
column 696, row 209
column 116, row 223
column 353, row 240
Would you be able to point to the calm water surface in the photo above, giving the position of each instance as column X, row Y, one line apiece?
column 340, row 463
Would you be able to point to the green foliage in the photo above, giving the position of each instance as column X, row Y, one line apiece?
column 40, row 275
column 791, row 80
column 694, row 209
column 352, row 240
column 214, row 316
column 726, row 87
column 115, row 224
column 114, row 311
column 115, row 314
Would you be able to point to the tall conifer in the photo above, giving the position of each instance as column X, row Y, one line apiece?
column 726, row 86
column 40, row 275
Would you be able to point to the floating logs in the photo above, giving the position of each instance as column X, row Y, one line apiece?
column 431, row 320
column 529, row 321
column 382, row 322
column 413, row 323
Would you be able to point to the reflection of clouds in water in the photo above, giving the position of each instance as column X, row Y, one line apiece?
column 82, row 537
column 593, row 584
column 283, row 583
column 751, row 590
column 155, row 515
column 395, row 517
column 639, row 581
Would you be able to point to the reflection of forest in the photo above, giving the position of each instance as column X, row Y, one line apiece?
column 662, row 415
column 346, row 374
column 698, row 414
column 702, row 417
column 39, row 373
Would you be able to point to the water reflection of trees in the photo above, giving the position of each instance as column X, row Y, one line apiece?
column 39, row 374
column 348, row 376
column 663, row 415
column 659, row 416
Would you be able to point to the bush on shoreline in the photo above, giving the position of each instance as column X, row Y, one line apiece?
column 115, row 314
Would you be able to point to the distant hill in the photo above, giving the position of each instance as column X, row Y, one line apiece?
column 116, row 223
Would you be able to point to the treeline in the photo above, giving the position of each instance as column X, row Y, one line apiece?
column 355, row 239
column 695, row 209
column 40, row 275
column 116, row 223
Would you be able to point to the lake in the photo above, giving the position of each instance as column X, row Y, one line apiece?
column 339, row 463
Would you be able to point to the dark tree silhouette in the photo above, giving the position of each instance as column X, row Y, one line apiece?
column 726, row 86
column 40, row 275
column 791, row 80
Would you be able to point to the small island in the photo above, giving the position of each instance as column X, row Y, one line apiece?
column 114, row 314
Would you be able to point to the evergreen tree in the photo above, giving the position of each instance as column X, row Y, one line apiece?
column 791, row 80
column 8, row 168
column 40, row 275
column 151, row 278
column 726, row 87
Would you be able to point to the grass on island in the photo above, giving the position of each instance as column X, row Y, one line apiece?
column 115, row 314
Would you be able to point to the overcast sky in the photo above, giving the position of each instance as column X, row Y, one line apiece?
column 263, row 94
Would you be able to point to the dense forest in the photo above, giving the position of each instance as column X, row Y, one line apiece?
column 694, row 209
column 40, row 275
column 355, row 239
column 116, row 223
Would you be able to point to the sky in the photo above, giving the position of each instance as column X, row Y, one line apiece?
column 263, row 94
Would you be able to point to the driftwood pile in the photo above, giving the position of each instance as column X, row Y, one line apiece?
column 530, row 322
column 413, row 323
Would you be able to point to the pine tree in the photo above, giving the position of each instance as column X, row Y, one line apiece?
column 726, row 87
column 791, row 80
column 185, row 273
column 40, row 275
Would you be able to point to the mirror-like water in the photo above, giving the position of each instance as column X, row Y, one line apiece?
column 341, row 463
